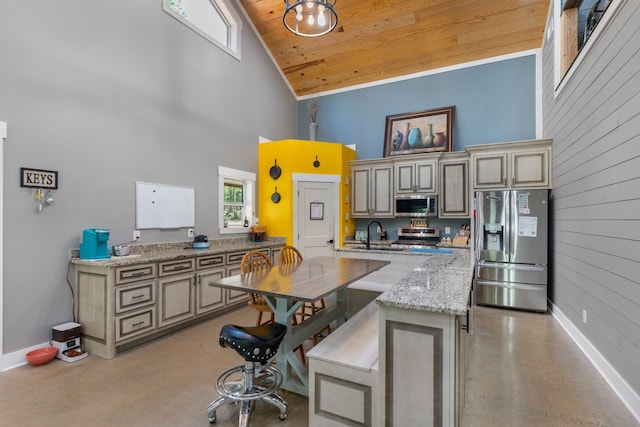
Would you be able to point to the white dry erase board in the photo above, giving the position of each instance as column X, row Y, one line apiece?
column 164, row 206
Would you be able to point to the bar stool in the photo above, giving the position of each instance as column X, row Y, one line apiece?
column 257, row 345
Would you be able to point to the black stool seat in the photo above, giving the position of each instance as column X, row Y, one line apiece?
column 254, row 344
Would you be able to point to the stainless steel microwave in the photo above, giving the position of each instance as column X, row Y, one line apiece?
column 416, row 205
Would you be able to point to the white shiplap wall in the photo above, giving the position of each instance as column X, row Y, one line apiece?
column 595, row 234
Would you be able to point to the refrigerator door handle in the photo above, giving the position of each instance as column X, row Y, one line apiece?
column 510, row 285
column 513, row 225
column 507, row 225
column 501, row 265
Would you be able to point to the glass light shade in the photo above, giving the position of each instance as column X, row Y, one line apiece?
column 321, row 17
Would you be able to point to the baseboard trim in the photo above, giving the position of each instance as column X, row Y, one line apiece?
column 627, row 395
column 17, row 358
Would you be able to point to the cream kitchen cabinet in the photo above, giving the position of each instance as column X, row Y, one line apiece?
column 523, row 164
column 209, row 298
column 135, row 309
column 135, row 300
column 431, row 349
column 115, row 305
column 120, row 306
column 176, row 288
column 417, row 175
column 372, row 188
column 454, row 185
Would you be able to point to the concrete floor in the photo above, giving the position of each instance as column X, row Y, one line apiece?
column 523, row 371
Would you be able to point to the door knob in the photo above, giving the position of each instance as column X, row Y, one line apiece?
column 330, row 241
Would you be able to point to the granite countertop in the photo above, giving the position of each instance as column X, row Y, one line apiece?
column 155, row 252
column 387, row 249
column 350, row 244
column 441, row 285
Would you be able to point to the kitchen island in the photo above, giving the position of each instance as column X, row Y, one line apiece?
column 402, row 359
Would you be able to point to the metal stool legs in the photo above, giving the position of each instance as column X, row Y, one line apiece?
column 257, row 383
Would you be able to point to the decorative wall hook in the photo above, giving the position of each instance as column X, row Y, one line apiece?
column 43, row 181
column 43, row 199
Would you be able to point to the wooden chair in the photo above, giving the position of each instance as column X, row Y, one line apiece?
column 255, row 262
column 290, row 255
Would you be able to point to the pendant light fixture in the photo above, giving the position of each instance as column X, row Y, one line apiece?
column 310, row 18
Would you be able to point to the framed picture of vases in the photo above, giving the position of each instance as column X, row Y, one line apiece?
column 419, row 132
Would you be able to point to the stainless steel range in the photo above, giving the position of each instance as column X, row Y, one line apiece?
column 417, row 236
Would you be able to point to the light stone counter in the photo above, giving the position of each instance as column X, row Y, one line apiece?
column 434, row 282
column 441, row 285
column 157, row 252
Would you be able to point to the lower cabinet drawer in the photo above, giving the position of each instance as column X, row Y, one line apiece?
column 131, row 297
column 236, row 257
column 135, row 323
column 135, row 272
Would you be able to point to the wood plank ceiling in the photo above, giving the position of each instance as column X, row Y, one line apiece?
column 381, row 39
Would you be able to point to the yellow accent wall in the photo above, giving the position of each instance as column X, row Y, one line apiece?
column 297, row 156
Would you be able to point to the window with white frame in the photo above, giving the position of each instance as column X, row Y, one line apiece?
column 215, row 20
column 236, row 194
column 579, row 21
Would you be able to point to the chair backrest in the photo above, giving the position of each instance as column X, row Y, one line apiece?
column 289, row 255
column 254, row 261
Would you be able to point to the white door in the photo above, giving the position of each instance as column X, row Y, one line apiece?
column 316, row 218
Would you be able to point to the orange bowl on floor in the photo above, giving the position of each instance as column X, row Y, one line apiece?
column 40, row 356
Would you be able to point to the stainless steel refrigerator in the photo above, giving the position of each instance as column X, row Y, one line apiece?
column 511, row 230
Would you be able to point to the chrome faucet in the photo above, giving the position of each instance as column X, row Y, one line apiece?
column 368, row 242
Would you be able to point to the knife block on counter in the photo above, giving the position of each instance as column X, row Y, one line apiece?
column 460, row 241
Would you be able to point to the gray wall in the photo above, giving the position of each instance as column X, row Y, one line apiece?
column 595, row 125
column 110, row 93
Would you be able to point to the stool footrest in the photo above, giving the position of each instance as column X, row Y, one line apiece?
column 266, row 382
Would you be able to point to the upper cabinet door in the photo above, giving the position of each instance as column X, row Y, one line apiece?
column 371, row 189
column 360, row 190
column 426, row 173
column 416, row 177
column 454, row 186
column 405, row 177
column 490, row 170
column 530, row 169
column 382, row 191
column 523, row 164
